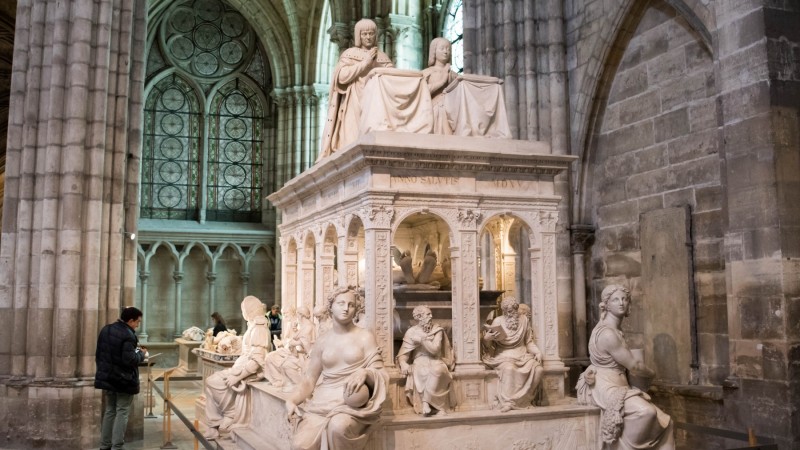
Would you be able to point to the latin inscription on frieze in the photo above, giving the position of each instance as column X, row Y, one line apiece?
column 450, row 181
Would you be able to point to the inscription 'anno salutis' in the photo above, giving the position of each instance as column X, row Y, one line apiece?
column 428, row 180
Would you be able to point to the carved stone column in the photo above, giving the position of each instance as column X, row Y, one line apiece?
column 178, row 277
column 143, row 276
column 408, row 40
column 307, row 281
column 378, row 284
column 325, row 278
column 245, row 278
column 212, row 294
column 289, row 275
column 466, row 316
column 581, row 237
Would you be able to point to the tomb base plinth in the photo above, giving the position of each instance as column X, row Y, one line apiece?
column 563, row 427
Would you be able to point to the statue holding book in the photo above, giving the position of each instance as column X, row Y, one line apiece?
column 509, row 349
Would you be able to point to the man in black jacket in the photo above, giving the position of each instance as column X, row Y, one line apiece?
column 117, row 357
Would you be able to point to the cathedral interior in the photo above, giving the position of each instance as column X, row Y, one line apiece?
column 140, row 140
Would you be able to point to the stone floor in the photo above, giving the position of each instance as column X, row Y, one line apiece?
column 184, row 393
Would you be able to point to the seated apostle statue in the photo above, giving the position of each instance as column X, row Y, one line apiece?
column 344, row 386
column 227, row 398
column 509, row 349
column 426, row 359
column 285, row 366
column 629, row 420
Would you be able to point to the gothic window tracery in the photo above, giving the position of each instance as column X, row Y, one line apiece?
column 454, row 32
column 205, row 146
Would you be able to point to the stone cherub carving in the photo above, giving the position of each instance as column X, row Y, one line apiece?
column 510, row 350
column 426, row 359
column 347, row 84
column 628, row 420
column 225, row 391
column 438, row 75
column 285, row 366
column 344, row 386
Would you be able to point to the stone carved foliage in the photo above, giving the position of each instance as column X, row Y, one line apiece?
column 469, row 297
column 549, row 284
column 581, row 237
column 383, row 297
column 468, row 218
column 377, row 216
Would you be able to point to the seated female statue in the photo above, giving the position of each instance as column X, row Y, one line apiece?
column 628, row 420
column 345, row 384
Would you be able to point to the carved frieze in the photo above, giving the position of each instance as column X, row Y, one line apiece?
column 549, row 284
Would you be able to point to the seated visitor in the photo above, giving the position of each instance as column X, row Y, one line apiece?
column 219, row 323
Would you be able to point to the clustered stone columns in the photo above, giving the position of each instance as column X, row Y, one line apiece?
column 65, row 267
column 581, row 237
column 298, row 130
column 523, row 43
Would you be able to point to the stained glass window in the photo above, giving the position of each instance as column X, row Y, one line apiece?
column 171, row 148
column 204, row 120
column 454, row 32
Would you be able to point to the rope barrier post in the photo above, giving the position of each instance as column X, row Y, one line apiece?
column 196, row 427
column 149, row 398
column 167, row 427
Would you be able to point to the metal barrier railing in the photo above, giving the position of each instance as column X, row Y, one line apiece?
column 169, row 407
column 749, row 437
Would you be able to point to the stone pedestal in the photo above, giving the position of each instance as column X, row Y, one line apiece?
column 564, row 427
column 187, row 360
column 463, row 183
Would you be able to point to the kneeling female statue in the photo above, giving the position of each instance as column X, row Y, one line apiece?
column 345, row 384
column 628, row 420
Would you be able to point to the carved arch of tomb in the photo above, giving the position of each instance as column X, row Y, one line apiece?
column 600, row 75
column 289, row 275
column 446, row 215
column 307, row 271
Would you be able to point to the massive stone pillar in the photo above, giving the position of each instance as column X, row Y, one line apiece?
column 523, row 43
column 761, row 144
column 70, row 195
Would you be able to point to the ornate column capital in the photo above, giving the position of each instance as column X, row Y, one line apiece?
column 581, row 237
column 378, row 216
column 341, row 34
column 469, row 218
column 177, row 276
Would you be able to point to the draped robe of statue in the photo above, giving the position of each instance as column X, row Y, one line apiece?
column 227, row 407
column 515, row 365
column 344, row 98
column 430, row 378
column 440, row 78
column 629, row 421
column 327, row 401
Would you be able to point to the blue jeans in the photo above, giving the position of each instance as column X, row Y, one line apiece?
column 115, row 419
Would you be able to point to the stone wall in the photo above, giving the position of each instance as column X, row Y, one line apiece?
column 695, row 104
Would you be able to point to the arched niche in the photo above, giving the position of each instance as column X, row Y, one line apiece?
column 307, row 273
column 353, row 256
column 327, row 262
column 289, row 297
column 504, row 260
column 421, row 271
